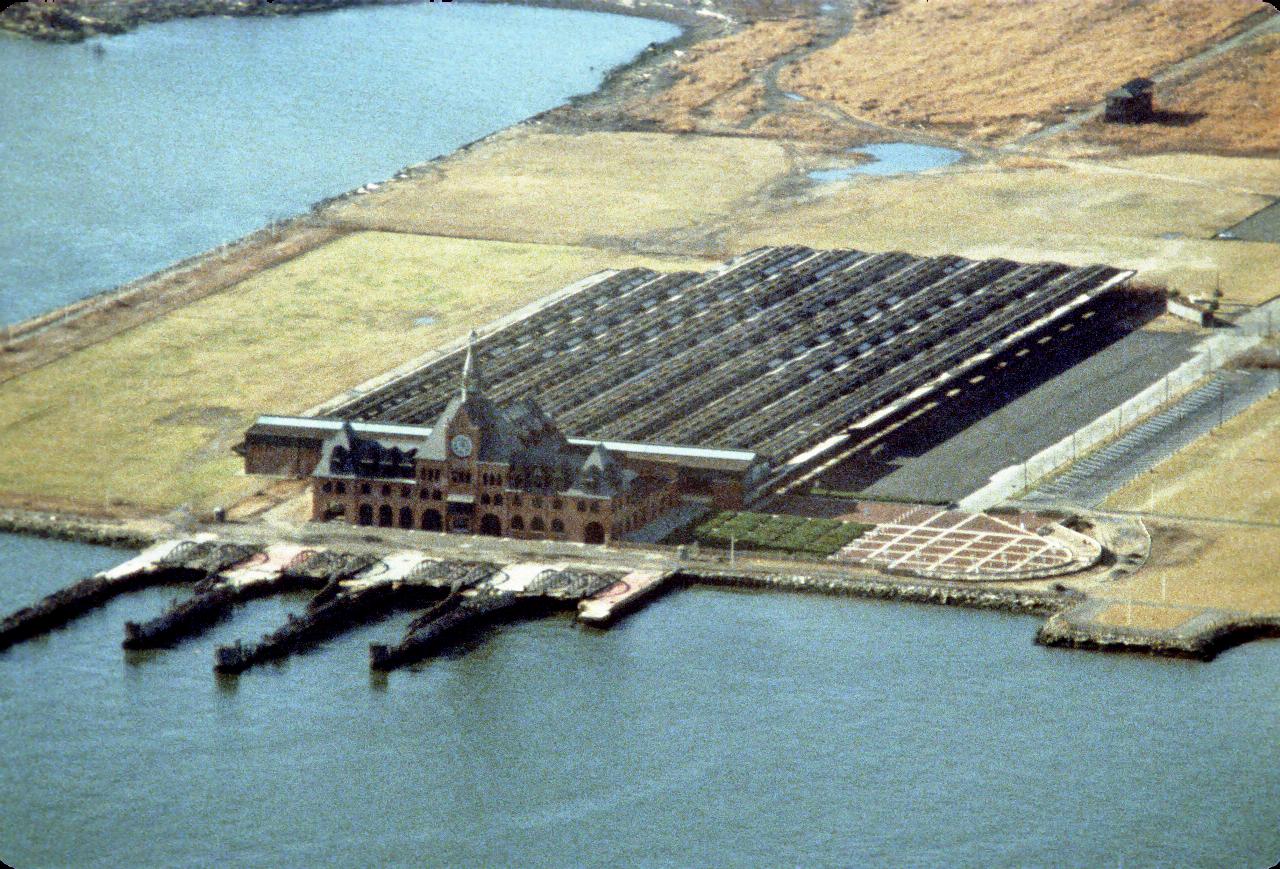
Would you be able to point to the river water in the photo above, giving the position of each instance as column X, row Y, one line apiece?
column 124, row 154
column 712, row 728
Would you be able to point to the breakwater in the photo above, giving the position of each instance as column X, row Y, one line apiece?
column 78, row 529
column 948, row 594
column 1200, row 638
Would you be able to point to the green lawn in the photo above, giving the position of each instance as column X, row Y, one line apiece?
column 798, row 535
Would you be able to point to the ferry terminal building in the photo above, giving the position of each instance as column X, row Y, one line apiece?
column 484, row 469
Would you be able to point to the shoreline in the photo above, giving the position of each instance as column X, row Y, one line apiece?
column 305, row 230
column 1066, row 611
column 73, row 22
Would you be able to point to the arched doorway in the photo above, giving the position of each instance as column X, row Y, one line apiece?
column 406, row 517
column 366, row 514
column 490, row 524
column 593, row 533
column 384, row 516
column 431, row 520
column 517, row 523
column 537, row 525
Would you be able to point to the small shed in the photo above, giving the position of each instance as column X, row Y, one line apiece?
column 1131, row 103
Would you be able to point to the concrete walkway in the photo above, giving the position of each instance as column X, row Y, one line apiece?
column 1091, row 480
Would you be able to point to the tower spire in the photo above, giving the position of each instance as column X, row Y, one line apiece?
column 472, row 382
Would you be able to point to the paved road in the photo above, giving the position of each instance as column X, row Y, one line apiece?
column 1091, row 480
column 1017, row 412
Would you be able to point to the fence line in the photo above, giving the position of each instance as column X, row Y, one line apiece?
column 1211, row 354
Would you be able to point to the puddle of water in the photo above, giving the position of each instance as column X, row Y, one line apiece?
column 424, row 321
column 824, row 176
column 792, row 96
column 895, row 158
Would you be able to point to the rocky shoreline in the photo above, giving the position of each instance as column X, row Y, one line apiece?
column 83, row 529
column 1015, row 601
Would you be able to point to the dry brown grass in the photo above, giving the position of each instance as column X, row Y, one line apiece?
column 1143, row 616
column 1232, row 473
column 1078, row 212
column 993, row 64
column 592, row 188
column 146, row 418
column 1238, row 96
column 1202, row 565
column 717, row 69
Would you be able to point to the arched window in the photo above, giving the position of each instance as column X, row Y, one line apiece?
column 364, row 489
column 490, row 524
column 386, row 491
column 556, row 504
column 484, row 498
column 517, row 500
column 366, row 514
column 537, row 524
column 557, row 526
column 517, row 523
column 497, row 500
column 431, row 520
column 341, row 488
column 404, row 491
column 593, row 533
column 406, row 517
column 384, row 515
column 327, row 487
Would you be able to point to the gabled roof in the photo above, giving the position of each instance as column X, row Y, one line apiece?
column 498, row 437
column 601, row 475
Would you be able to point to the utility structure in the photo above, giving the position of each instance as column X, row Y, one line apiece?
column 1132, row 102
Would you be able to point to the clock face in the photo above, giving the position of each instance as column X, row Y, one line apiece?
column 461, row 446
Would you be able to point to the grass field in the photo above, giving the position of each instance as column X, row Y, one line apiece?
column 148, row 417
column 1203, row 565
column 606, row 189
column 1232, row 473
column 712, row 78
column 1077, row 212
column 1233, row 105
column 995, row 68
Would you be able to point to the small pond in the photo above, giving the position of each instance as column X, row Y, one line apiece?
column 894, row 158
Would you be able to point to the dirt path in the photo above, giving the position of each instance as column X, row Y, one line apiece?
column 1262, row 24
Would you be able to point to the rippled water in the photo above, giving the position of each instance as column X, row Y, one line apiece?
column 712, row 728
column 127, row 153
